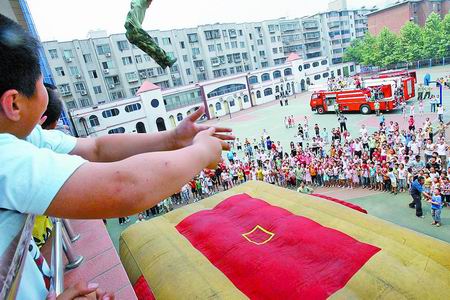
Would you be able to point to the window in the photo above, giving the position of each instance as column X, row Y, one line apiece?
column 212, row 34
column 260, row 42
column 166, row 41
column 60, row 71
column 103, row 49
column 180, row 117
column 185, row 58
column 53, row 53
column 71, row 104
column 64, row 89
column 84, row 102
column 253, row 79
column 246, row 99
column 161, row 71
column 188, row 71
column 339, row 72
column 113, row 80
column 287, row 72
column 219, row 47
column 154, row 103
column 241, row 33
column 211, row 48
column 258, row 94
column 87, row 58
column 264, row 64
column 117, row 95
column 337, row 60
column 326, row 75
column 234, row 45
column 276, row 74
column 193, row 38
column 352, row 68
column 107, row 65
column 232, row 33
column 273, row 39
column 117, row 130
column 94, row 121
column 324, row 62
column 268, row 92
column 315, row 64
column 93, row 74
column 277, row 89
column 79, row 86
column 134, row 90
column 182, row 45
column 242, row 44
column 317, row 77
column 195, row 51
column 73, row 70
column 110, row 113
column 275, row 50
column 174, row 69
column 226, row 89
column 132, row 77
column 133, row 107
column 300, row 68
column 306, row 66
column 147, row 57
column 232, row 103
column 97, row 89
column 138, row 59
column 218, row 106
column 127, row 60
column 68, row 53
column 245, row 56
column 265, row 77
column 123, row 45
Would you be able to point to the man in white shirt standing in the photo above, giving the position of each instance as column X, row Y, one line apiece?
column 442, row 148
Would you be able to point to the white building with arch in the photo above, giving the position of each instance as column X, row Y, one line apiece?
column 154, row 109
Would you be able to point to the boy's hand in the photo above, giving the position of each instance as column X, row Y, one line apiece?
column 185, row 132
column 210, row 146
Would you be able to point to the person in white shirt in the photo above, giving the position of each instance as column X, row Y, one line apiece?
column 363, row 130
column 440, row 113
column 441, row 149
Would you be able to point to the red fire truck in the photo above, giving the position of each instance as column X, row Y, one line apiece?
column 351, row 100
column 389, row 91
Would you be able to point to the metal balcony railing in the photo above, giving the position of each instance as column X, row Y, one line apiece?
column 12, row 262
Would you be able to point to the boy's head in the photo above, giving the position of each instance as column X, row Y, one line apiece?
column 23, row 98
column 54, row 108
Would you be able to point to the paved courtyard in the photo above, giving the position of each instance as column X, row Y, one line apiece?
column 250, row 124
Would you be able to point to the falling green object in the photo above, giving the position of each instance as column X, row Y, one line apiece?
column 139, row 37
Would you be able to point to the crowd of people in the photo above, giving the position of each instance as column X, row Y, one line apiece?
column 388, row 159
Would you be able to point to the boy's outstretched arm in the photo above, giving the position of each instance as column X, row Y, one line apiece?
column 107, row 190
column 121, row 146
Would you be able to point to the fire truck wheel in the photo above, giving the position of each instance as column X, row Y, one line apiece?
column 320, row 110
column 365, row 109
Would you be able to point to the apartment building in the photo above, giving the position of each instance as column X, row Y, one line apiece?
column 105, row 68
column 154, row 109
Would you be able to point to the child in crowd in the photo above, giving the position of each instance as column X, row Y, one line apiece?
column 436, row 207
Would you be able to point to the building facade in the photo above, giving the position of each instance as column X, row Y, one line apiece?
column 396, row 15
column 154, row 109
column 104, row 68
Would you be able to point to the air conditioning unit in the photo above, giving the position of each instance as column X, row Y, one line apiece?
column 83, row 93
column 68, row 59
column 201, row 69
column 111, row 86
column 108, row 54
column 78, row 76
column 106, row 71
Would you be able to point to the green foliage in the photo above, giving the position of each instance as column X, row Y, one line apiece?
column 412, row 44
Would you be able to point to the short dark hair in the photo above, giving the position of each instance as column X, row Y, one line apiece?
column 54, row 107
column 19, row 67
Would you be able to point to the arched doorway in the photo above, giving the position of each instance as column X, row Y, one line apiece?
column 241, row 105
column 212, row 113
column 227, row 107
column 160, row 124
column 172, row 121
column 303, row 85
column 140, row 128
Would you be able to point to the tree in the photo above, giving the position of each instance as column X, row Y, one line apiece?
column 445, row 29
column 432, row 36
column 411, row 42
column 388, row 47
column 355, row 51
